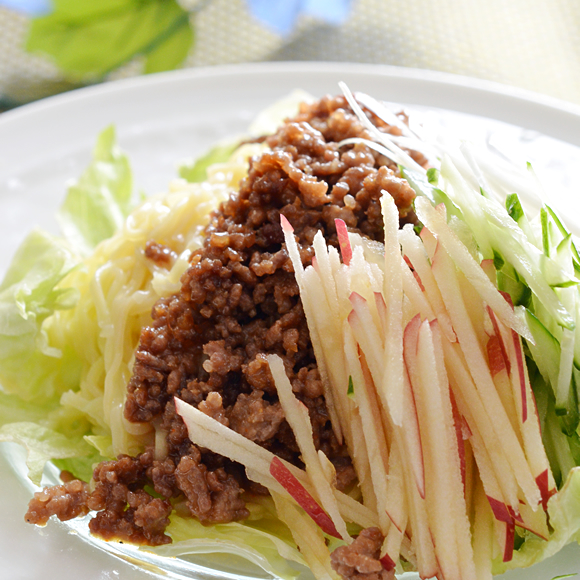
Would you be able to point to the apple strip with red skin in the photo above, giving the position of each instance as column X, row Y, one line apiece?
column 308, row 306
column 503, row 382
column 429, row 241
column 457, row 420
column 331, row 349
column 367, row 337
column 298, row 492
column 457, row 452
column 483, row 534
column 475, row 307
column 422, row 538
column 308, row 538
column 530, row 428
column 445, row 502
column 372, row 428
column 324, row 270
column 299, row 420
column 489, row 268
column 381, row 310
column 437, row 224
column 206, row 432
column 327, row 317
column 415, row 252
column 393, row 377
column 397, row 505
column 535, row 521
column 445, row 274
column 505, row 536
column 497, row 475
column 416, row 296
column 343, row 241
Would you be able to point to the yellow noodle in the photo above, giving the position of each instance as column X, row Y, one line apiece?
column 118, row 287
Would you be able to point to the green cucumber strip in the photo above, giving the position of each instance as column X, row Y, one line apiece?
column 546, row 351
column 514, row 207
column 520, row 293
column 566, row 401
column 545, row 231
column 570, row 421
column 564, row 232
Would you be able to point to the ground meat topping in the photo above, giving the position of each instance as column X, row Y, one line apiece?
column 161, row 254
column 360, row 560
column 212, row 496
column 239, row 301
column 66, row 501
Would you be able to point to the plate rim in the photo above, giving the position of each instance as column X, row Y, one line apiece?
column 193, row 74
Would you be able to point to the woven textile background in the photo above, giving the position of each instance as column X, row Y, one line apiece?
column 534, row 44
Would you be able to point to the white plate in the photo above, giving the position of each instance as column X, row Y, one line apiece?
column 165, row 118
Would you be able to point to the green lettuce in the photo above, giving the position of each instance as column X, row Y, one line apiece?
column 196, row 171
column 30, row 366
column 564, row 512
column 98, row 204
column 38, row 361
column 42, row 445
column 262, row 540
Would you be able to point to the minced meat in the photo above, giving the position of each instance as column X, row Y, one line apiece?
column 360, row 560
column 239, row 301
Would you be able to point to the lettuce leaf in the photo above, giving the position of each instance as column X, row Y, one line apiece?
column 564, row 512
column 30, row 366
column 196, row 171
column 262, row 540
column 43, row 444
column 98, row 204
column 38, row 359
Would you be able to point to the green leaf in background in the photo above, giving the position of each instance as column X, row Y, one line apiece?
column 172, row 49
column 89, row 39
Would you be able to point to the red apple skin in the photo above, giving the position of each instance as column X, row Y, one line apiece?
column 413, row 437
column 343, row 241
column 495, row 355
column 417, row 277
column 488, row 267
column 286, row 225
column 517, row 518
column 457, row 421
column 410, row 338
column 543, row 485
column 500, row 510
column 521, row 372
column 387, row 563
column 508, row 553
column 501, row 342
column 302, row 497
column 394, row 522
column 429, row 241
column 382, row 309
